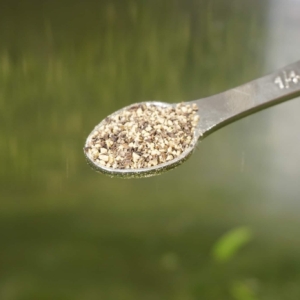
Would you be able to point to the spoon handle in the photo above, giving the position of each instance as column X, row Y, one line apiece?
column 239, row 102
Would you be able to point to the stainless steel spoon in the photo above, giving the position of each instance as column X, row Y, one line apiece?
column 219, row 110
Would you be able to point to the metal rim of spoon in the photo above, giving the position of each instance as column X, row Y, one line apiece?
column 219, row 110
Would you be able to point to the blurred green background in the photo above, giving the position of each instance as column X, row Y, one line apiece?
column 224, row 225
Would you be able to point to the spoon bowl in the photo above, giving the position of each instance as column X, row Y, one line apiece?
column 142, row 172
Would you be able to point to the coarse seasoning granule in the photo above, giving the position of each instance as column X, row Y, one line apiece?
column 142, row 136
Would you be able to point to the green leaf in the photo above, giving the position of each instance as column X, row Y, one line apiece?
column 228, row 245
column 242, row 291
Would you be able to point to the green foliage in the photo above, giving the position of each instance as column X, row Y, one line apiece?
column 242, row 291
column 230, row 243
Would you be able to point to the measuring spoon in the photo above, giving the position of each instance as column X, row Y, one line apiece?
column 217, row 111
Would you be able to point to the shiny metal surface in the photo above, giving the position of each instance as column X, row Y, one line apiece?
column 219, row 110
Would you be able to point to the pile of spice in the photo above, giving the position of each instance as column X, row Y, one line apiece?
column 143, row 135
